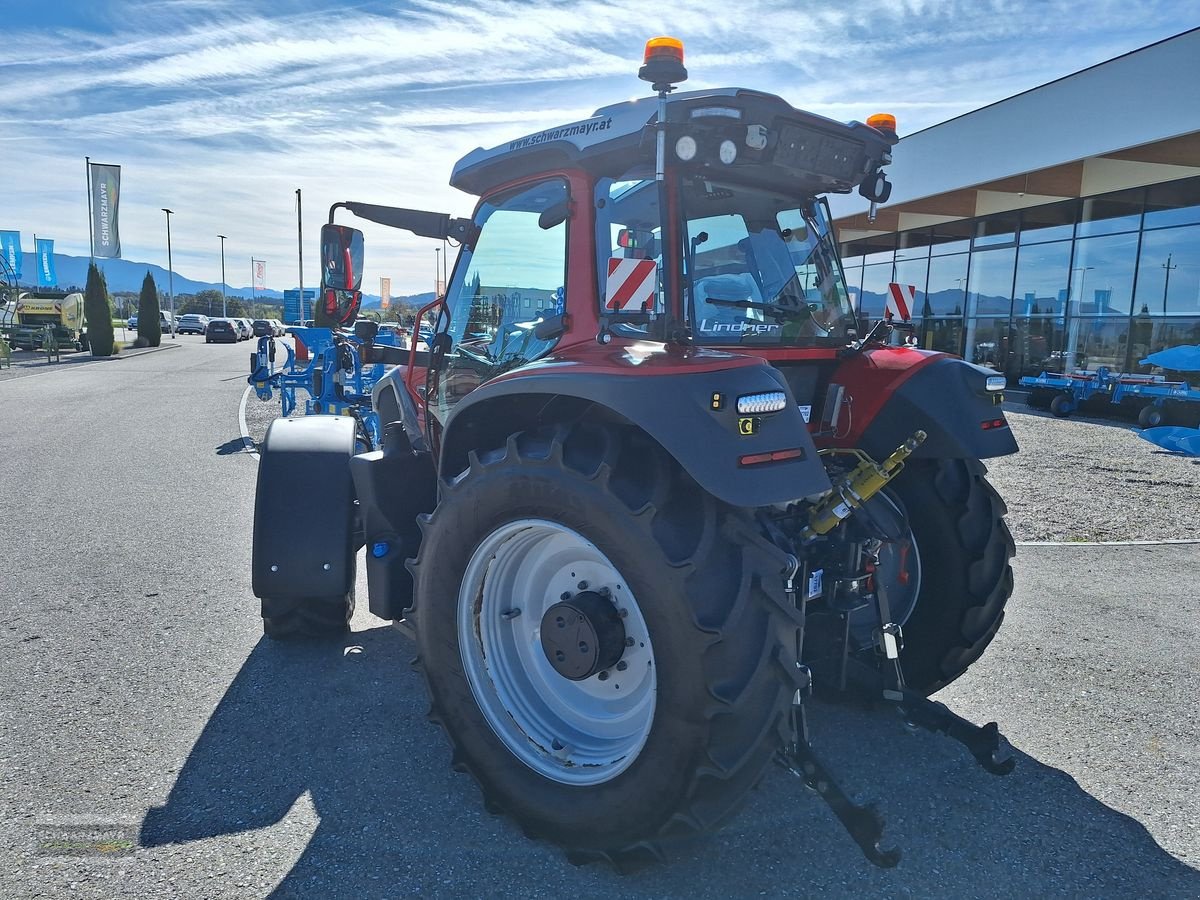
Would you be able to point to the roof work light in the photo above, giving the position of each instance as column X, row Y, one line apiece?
column 662, row 64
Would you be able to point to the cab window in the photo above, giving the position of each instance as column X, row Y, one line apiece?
column 513, row 279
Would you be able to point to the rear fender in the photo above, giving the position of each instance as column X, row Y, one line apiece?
column 304, row 513
column 948, row 399
column 692, row 415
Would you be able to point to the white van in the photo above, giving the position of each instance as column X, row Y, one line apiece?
column 167, row 322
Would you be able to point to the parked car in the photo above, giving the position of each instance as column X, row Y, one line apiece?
column 167, row 322
column 133, row 322
column 249, row 323
column 221, row 331
column 243, row 328
column 277, row 326
column 263, row 328
column 193, row 323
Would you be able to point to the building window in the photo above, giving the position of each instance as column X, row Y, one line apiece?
column 951, row 237
column 1173, row 203
column 1043, row 277
column 914, row 272
column 947, row 286
column 874, row 290
column 1111, row 213
column 989, row 303
column 996, row 230
column 1102, row 275
column 1150, row 336
column 914, row 244
column 1051, row 222
column 1168, row 281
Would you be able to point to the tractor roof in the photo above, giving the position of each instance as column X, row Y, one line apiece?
column 777, row 143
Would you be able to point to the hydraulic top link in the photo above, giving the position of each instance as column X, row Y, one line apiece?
column 858, row 486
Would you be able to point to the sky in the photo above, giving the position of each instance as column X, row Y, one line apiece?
column 221, row 109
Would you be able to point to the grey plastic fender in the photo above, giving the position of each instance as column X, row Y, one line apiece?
column 677, row 410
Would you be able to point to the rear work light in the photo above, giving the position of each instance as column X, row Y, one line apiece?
column 757, row 404
column 755, row 459
column 989, row 424
column 996, row 382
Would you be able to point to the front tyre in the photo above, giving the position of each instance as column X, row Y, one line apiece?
column 957, row 520
column 607, row 647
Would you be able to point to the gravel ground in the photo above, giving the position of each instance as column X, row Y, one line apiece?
column 1076, row 479
column 1083, row 479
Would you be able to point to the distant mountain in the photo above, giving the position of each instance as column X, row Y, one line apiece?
column 126, row 275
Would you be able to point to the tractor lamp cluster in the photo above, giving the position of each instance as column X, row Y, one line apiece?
column 686, row 149
column 758, row 404
column 996, row 382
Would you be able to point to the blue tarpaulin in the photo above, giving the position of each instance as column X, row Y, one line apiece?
column 1178, row 359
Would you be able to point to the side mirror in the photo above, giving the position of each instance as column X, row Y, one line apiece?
column 341, row 276
column 341, row 258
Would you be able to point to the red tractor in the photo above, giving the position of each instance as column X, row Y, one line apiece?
column 644, row 485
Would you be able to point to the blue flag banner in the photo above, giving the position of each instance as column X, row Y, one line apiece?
column 45, row 263
column 10, row 249
column 106, row 192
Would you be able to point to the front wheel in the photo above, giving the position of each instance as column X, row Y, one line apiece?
column 1151, row 416
column 1061, row 406
column 607, row 646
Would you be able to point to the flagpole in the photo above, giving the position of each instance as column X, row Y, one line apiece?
column 300, row 249
column 87, row 166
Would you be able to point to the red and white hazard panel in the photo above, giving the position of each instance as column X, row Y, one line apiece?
column 632, row 284
column 900, row 300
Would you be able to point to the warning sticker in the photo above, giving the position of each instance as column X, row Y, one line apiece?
column 631, row 286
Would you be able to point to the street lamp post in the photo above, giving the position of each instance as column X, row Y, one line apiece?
column 437, row 270
column 170, row 274
column 224, row 310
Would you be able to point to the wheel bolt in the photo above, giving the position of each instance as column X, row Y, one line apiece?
column 583, row 585
column 559, row 655
column 583, row 648
column 622, row 613
column 565, row 595
column 560, row 622
column 603, row 676
column 604, row 592
column 622, row 666
column 628, row 642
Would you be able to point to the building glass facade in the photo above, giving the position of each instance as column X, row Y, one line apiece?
column 1099, row 281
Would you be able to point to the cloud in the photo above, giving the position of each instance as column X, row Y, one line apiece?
column 220, row 110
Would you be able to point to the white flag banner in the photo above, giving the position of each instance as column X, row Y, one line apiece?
column 260, row 275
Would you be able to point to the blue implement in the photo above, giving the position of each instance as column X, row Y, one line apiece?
column 1173, row 438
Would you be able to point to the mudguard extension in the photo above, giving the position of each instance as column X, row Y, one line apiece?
column 394, row 486
column 677, row 411
column 304, row 542
column 949, row 400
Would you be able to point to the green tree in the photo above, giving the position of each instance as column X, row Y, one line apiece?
column 98, row 311
column 149, row 326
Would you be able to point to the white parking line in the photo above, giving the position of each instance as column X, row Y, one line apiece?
column 246, row 439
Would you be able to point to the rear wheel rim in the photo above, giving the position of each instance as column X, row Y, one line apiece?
column 577, row 733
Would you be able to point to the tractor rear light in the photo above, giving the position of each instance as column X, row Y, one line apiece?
column 989, row 424
column 685, row 148
column 728, row 152
column 996, row 382
column 755, row 459
column 757, row 404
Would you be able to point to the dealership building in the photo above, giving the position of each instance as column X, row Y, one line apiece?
column 1055, row 230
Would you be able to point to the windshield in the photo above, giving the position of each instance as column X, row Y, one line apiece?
column 761, row 269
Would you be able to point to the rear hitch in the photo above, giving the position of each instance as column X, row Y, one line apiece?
column 862, row 822
column 985, row 742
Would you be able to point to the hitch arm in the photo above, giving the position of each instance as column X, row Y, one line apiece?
column 985, row 742
column 863, row 823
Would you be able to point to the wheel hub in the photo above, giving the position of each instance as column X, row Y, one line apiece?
column 582, row 635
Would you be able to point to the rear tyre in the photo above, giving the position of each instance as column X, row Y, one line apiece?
column 323, row 617
column 957, row 519
column 667, row 740
column 1061, row 406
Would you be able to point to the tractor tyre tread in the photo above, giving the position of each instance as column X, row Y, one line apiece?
column 293, row 618
column 953, row 509
column 716, row 570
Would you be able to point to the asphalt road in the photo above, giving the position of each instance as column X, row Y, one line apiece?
column 143, row 716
